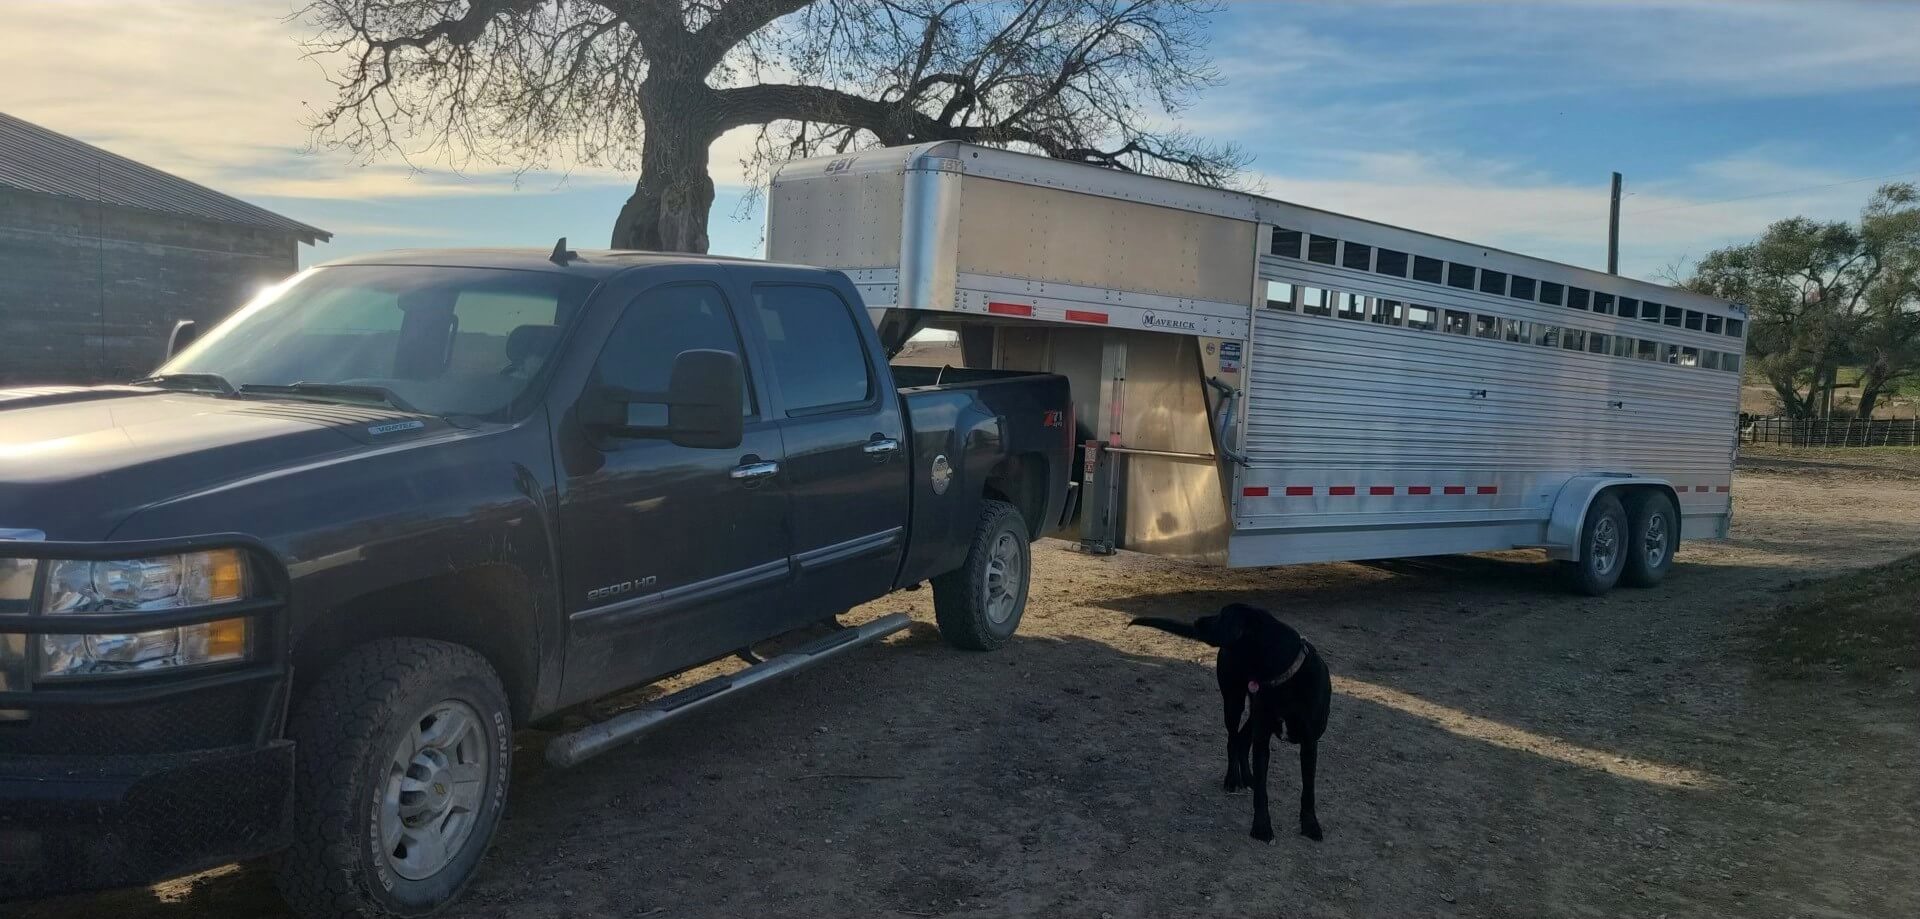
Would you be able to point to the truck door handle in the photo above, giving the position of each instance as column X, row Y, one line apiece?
column 881, row 447
column 753, row 471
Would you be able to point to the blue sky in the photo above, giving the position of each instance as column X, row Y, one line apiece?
column 1493, row 122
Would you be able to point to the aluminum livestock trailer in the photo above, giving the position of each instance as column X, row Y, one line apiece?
column 1261, row 383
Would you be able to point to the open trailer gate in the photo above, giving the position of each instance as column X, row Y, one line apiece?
column 1262, row 383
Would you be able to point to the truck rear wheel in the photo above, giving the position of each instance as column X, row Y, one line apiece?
column 1603, row 548
column 402, row 752
column 979, row 604
column 1653, row 535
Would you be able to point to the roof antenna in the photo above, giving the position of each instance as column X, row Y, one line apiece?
column 561, row 254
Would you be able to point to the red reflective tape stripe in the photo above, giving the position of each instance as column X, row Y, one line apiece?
column 1455, row 489
column 1723, row 488
column 1299, row 491
column 1488, row 490
column 1010, row 309
column 1701, row 487
column 1085, row 316
column 1419, row 489
column 1380, row 490
column 1254, row 491
column 1340, row 490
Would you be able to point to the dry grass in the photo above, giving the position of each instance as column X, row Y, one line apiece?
column 1859, row 626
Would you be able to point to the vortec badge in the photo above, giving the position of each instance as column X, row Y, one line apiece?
column 941, row 475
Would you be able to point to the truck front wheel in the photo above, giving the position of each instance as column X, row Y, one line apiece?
column 979, row 604
column 402, row 752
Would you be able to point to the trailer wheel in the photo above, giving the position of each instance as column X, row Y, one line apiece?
column 1653, row 535
column 402, row 752
column 1603, row 548
column 979, row 604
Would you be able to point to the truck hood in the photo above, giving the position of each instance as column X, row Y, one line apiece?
column 77, row 461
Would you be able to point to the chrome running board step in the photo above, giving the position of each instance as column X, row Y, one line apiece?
column 576, row 747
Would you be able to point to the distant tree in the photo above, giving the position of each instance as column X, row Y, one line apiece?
column 652, row 83
column 1824, row 296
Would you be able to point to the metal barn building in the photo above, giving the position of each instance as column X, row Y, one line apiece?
column 99, row 255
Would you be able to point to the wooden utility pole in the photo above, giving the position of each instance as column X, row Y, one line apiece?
column 1613, row 229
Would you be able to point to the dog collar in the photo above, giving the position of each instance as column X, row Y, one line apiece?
column 1299, row 660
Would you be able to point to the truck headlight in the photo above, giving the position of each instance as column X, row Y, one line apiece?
column 78, row 588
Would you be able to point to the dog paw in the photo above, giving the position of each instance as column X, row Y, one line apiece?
column 1232, row 784
column 1262, row 832
column 1311, row 830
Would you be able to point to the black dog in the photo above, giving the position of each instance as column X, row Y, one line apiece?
column 1262, row 658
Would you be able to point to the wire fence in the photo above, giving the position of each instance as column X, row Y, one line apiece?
column 1828, row 432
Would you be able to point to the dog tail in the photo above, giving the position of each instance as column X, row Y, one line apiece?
column 1176, row 627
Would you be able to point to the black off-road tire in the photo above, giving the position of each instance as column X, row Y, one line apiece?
column 1653, row 529
column 345, row 729
column 963, row 602
column 1599, row 568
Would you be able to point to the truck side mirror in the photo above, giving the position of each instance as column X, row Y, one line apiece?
column 702, row 406
column 704, row 400
column 185, row 332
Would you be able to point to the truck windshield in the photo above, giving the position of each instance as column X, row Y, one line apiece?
column 445, row 341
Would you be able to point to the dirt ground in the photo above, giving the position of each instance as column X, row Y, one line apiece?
column 1497, row 748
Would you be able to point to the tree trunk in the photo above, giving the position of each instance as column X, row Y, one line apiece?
column 668, row 209
column 1869, row 395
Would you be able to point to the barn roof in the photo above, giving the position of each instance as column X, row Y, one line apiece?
column 35, row 159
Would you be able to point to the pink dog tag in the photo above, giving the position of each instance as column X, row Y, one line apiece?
column 1253, row 685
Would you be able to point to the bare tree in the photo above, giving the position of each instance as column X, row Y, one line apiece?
column 652, row 83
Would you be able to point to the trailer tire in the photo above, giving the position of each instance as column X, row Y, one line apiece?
column 1603, row 548
column 438, row 707
column 978, row 605
column 1653, row 536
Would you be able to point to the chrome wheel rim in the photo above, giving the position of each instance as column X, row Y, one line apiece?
column 1005, row 567
column 1655, row 540
column 1606, row 545
column 435, row 782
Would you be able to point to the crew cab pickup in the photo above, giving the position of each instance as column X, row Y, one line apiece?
column 290, row 595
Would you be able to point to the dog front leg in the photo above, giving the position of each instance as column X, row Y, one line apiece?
column 1238, row 775
column 1262, row 740
column 1309, row 822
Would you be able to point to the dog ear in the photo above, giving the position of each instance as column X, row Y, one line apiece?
column 1232, row 622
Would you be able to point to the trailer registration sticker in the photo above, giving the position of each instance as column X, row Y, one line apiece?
column 1229, row 357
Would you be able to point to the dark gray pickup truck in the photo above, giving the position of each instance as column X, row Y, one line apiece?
column 290, row 595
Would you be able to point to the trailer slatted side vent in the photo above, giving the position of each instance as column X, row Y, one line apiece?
column 1390, row 261
column 1522, row 288
column 1322, row 249
column 1427, row 269
column 1285, row 242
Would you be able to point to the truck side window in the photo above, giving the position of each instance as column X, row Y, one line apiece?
column 656, row 327
column 817, row 356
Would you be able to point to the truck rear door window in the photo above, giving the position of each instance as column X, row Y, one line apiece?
column 655, row 328
column 818, row 358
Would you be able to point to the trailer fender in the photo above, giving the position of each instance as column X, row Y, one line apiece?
column 1570, row 509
